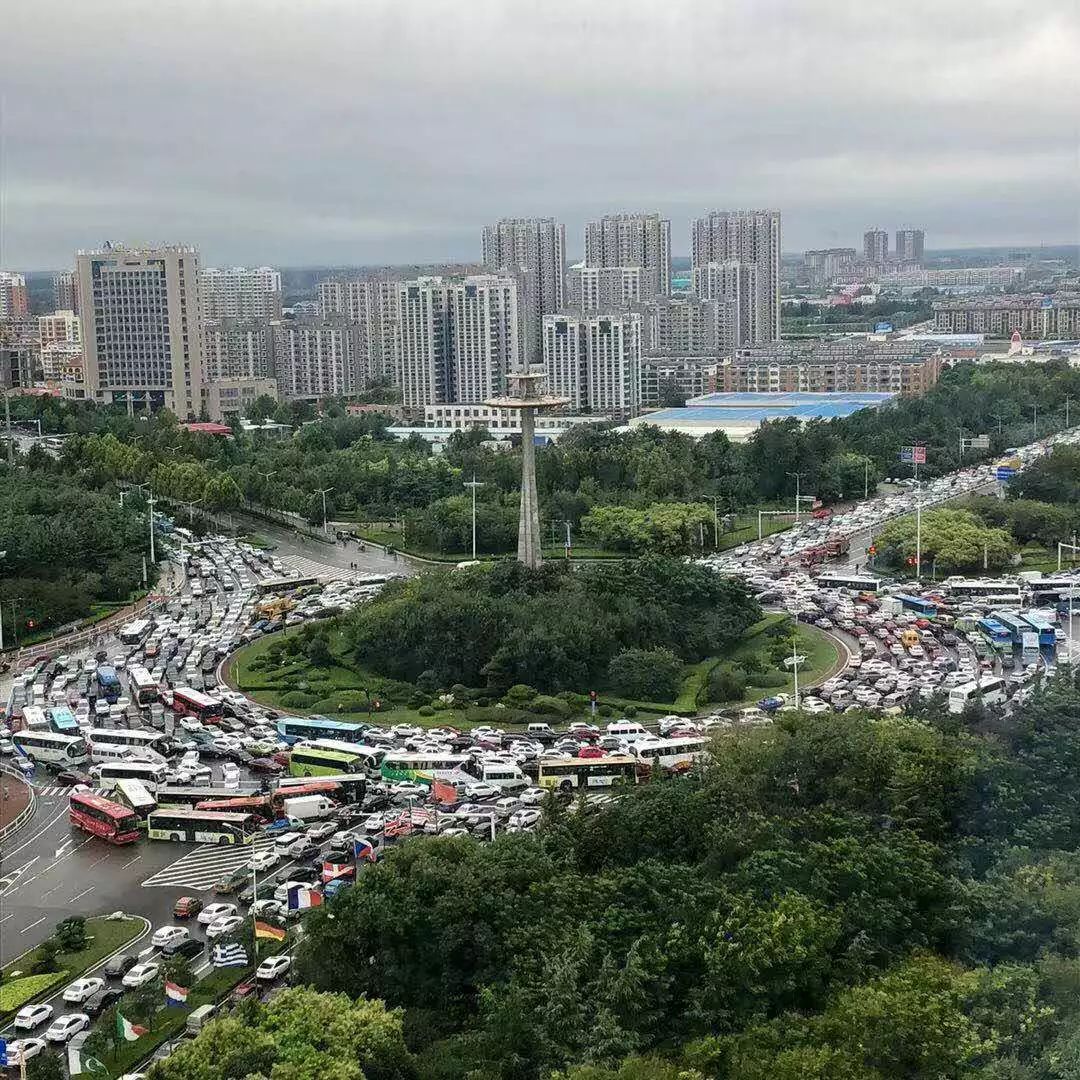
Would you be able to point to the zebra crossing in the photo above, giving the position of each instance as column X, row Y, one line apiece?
column 52, row 791
column 305, row 567
column 206, row 864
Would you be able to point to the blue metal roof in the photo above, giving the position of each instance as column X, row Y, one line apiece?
column 702, row 414
column 788, row 400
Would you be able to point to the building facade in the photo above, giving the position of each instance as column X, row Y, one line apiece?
column 642, row 240
column 238, row 348
column 909, row 245
column 751, row 238
column 316, row 358
column 372, row 304
column 876, row 247
column 828, row 265
column 59, row 326
column 14, row 300
column 602, row 288
column 613, row 363
column 233, row 396
column 736, row 283
column 1034, row 315
column 690, row 326
column 65, row 291
column 564, row 357
column 688, row 376
column 141, row 317
column 237, row 292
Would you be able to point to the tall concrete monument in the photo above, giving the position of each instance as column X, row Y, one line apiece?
column 527, row 397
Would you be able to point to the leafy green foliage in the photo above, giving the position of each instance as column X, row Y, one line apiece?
column 645, row 674
column 956, row 539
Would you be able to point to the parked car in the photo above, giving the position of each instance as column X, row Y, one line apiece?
column 63, row 1027
column 187, row 907
column 225, row 925
column 273, row 967
column 164, row 935
column 187, row 949
column 121, row 964
column 30, row 1016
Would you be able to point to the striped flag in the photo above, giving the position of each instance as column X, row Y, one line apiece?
column 419, row 815
column 234, row 955
column 301, row 898
column 332, row 870
column 128, row 1031
column 363, row 849
column 265, row 930
column 175, row 995
column 399, row 826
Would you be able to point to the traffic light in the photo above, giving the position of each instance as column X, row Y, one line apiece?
column 911, row 560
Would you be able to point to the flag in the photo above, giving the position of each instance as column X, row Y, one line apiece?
column 363, row 849
column 3, row 1053
column 398, row 827
column 128, row 1031
column 444, row 792
column 77, row 1064
column 265, row 930
column 175, row 995
column 419, row 815
column 234, row 955
column 301, row 898
column 332, row 870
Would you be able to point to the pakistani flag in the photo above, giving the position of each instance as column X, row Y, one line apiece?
column 77, row 1063
column 128, row 1031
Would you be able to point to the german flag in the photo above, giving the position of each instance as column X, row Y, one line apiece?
column 265, row 930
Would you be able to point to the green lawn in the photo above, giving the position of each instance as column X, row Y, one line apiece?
column 823, row 657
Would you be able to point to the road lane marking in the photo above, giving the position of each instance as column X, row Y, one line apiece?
column 52, row 890
column 130, row 861
column 38, row 833
column 96, row 861
column 9, row 915
column 81, row 895
column 33, row 924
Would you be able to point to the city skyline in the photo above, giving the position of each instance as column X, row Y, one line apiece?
column 373, row 154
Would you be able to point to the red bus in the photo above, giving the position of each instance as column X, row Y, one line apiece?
column 188, row 702
column 111, row 821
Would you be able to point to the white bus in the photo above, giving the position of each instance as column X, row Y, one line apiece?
column 984, row 590
column 674, row 754
column 47, row 746
column 134, row 632
column 142, row 738
column 150, row 774
column 991, row 691
column 144, row 687
column 838, row 579
column 34, row 718
column 424, row 768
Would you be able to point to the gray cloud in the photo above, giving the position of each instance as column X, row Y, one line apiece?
column 363, row 131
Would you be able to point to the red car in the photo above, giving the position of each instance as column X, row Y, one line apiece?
column 590, row 752
column 187, row 907
column 266, row 765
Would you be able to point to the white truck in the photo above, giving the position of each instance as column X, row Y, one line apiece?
column 309, row 807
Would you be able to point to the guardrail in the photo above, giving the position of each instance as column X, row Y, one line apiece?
column 27, row 813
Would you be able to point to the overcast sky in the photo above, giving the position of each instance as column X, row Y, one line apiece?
column 369, row 131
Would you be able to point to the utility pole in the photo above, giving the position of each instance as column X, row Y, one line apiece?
column 150, row 502
column 866, row 479
column 1068, row 401
column 7, row 428
column 796, row 659
column 568, row 539
column 798, row 498
column 323, row 492
column 1035, row 421
column 472, row 485
column 999, row 418
column 918, row 530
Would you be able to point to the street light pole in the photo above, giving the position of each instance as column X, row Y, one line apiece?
column 918, row 530
column 798, row 498
column 1035, row 420
column 866, row 479
column 322, row 492
column 472, row 485
column 150, row 502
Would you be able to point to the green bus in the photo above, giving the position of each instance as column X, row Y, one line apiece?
column 323, row 761
column 423, row 768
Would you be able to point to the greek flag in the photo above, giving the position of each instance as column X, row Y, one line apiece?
column 234, row 955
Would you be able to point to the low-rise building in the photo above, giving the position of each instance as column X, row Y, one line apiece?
column 1034, row 315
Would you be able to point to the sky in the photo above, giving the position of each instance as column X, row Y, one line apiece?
column 351, row 132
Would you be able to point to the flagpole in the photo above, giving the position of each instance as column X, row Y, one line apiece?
column 254, row 901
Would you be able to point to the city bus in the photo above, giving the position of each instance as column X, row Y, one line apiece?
column 370, row 756
column 140, row 738
column 985, row 590
column 602, row 772
column 676, row 755
column 991, row 691
column 283, row 584
column 423, row 768
column 348, row 787
column 134, row 793
column 262, row 806
column 108, row 683
column 190, row 797
column 62, row 720
column 995, row 633
column 839, row 579
column 134, row 632
column 1043, row 627
column 1014, row 623
column 321, row 761
column 111, row 821
column 294, row 728
column 201, row 826
column 926, row 608
column 50, row 748
column 150, row 774
column 188, row 702
column 144, row 687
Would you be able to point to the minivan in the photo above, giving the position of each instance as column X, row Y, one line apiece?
column 628, row 731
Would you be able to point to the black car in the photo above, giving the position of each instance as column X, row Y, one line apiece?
column 119, row 965
column 97, row 1003
column 74, row 776
column 188, row 948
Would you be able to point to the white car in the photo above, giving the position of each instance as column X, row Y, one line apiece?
column 320, row 830
column 273, row 967
column 225, row 925
column 29, row 1016
column 524, row 819
column 262, row 908
column 63, row 1027
column 81, row 989
column 266, row 859
column 212, row 912
column 480, row 790
column 408, row 787
column 141, row 974
column 23, row 1050
column 168, row 935
column 373, row 823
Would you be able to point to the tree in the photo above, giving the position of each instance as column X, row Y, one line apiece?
column 957, row 539
column 46, row 1066
column 671, row 394
column 71, row 934
column 646, row 674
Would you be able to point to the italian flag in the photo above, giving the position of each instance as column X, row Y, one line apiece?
column 128, row 1031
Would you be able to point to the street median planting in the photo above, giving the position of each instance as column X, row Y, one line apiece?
column 18, row 992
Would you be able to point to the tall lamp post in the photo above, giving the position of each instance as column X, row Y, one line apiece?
column 472, row 485
column 798, row 498
column 323, row 493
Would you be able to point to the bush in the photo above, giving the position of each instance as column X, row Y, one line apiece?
column 298, row 699
column 606, row 710
column 630, row 712
column 519, row 695
column 545, row 705
column 577, row 702
column 417, row 699
column 48, row 951
column 15, row 993
column 71, row 934
column 768, row 679
column 727, row 683
column 426, row 710
column 648, row 674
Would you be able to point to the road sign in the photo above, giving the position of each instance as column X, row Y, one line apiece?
column 981, row 442
column 913, row 455
column 1005, row 472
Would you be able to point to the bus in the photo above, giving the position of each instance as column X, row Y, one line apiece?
column 51, row 748
column 1043, row 627
column 371, row 756
column 108, row 683
column 926, row 608
column 676, row 755
column 134, row 632
column 602, row 772
column 839, row 579
column 112, row 821
column 319, row 761
column 294, row 728
column 986, row 590
column 62, row 720
column 261, row 806
column 134, row 793
column 188, row 702
column 424, row 768
column 34, row 718
column 991, row 691
column 201, row 826
column 283, row 584
column 140, row 738
column 144, row 687
column 150, row 774
column 1054, row 588
column 349, row 788
column 190, row 797
column 1014, row 623
column 995, row 633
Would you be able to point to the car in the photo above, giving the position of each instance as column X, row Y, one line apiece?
column 232, row 881
column 100, row 1001
column 524, row 819
column 187, row 907
column 119, row 965
column 30, row 1016
column 141, row 974
column 187, row 949
column 303, row 847
column 266, row 859
column 320, row 830
column 70, row 777
column 63, row 1027
column 215, row 911
column 266, row 765
column 81, row 989
column 408, row 787
column 262, row 908
column 22, row 1050
column 373, row 823
column 481, row 790
column 532, row 796
column 165, row 935
column 273, row 967
column 225, row 925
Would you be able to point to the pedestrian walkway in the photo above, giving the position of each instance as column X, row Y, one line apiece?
column 53, row 791
column 305, row 567
column 199, row 869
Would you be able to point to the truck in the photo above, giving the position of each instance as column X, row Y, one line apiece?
column 308, row 807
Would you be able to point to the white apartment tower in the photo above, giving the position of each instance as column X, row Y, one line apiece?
column 141, row 317
column 237, row 292
column 600, row 288
column 237, row 348
column 736, row 283
column 633, row 240
column 536, row 249
column 613, row 363
column 690, row 326
column 370, row 303
column 59, row 326
column 752, row 238
column 14, row 299
column 316, row 358
column 65, row 292
column 564, row 358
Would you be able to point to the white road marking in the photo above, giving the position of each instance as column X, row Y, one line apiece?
column 51, row 891
column 33, row 924
column 9, row 915
column 81, row 895
column 130, row 861
column 38, row 832
column 199, row 869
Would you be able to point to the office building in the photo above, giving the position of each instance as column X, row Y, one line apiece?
column 909, row 245
column 238, row 292
column 59, row 326
column 535, row 250
column 1033, row 315
column 642, row 240
column 316, row 358
column 237, row 348
column 734, row 282
column 142, row 327
column 751, row 238
column 14, row 300
column 233, row 396
column 602, row 288
column 690, row 326
column 828, row 265
column 876, row 247
column 65, row 292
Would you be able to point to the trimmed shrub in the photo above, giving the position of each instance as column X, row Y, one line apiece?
column 726, row 683
column 768, row 679
column 519, row 695
column 544, row 705
column 426, row 710
column 298, row 699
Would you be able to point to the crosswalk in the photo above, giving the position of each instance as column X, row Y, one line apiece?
column 52, row 791
column 305, row 567
column 199, row 869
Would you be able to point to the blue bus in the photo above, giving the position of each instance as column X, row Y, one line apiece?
column 927, row 608
column 1043, row 627
column 995, row 633
column 294, row 728
column 108, row 683
column 62, row 720
column 1015, row 623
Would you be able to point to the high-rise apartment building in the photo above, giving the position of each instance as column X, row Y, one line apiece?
column 828, row 265
column 237, row 292
column 633, row 240
column 316, row 358
column 735, row 282
column 65, row 292
column 59, row 326
column 751, row 238
column 237, row 348
column 876, row 247
column 564, row 358
column 690, row 326
column 536, row 249
column 141, row 317
column 370, row 303
column 14, row 300
column 909, row 245
column 601, row 288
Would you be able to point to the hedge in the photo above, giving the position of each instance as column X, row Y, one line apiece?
column 15, row 994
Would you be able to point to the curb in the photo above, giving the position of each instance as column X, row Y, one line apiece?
column 23, row 818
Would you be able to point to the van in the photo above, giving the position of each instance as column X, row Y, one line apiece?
column 628, row 731
column 200, row 1016
column 103, row 752
column 503, row 775
column 841, row 699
